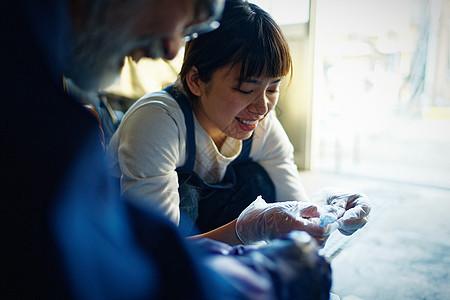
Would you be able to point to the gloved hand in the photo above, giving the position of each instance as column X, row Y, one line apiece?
column 262, row 221
column 352, row 208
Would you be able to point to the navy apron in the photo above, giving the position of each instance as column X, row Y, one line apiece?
column 213, row 205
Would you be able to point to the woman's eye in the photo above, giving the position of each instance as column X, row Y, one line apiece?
column 244, row 92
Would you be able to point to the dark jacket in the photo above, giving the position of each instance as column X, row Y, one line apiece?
column 65, row 231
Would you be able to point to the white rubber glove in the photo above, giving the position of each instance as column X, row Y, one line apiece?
column 262, row 221
column 352, row 208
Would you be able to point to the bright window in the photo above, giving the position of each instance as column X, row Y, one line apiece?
column 382, row 90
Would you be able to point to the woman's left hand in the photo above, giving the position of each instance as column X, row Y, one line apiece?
column 352, row 208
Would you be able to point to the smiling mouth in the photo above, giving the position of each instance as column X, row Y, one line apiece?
column 245, row 122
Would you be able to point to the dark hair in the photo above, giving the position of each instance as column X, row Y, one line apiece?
column 247, row 36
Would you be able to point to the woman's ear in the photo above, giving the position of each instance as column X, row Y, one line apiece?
column 194, row 82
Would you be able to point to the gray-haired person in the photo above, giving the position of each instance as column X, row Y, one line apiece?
column 67, row 233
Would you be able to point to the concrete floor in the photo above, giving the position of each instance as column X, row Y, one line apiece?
column 404, row 250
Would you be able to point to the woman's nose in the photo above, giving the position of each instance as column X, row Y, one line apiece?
column 260, row 105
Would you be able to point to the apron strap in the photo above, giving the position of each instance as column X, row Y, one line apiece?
column 185, row 106
column 244, row 156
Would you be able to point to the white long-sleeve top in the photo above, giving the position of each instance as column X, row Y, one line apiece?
column 150, row 144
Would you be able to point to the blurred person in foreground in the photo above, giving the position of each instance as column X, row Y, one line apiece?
column 66, row 232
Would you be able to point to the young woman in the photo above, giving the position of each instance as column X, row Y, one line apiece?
column 205, row 148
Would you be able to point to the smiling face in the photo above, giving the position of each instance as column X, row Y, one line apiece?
column 226, row 108
column 232, row 75
column 106, row 31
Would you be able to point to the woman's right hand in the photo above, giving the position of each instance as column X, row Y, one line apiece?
column 262, row 221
